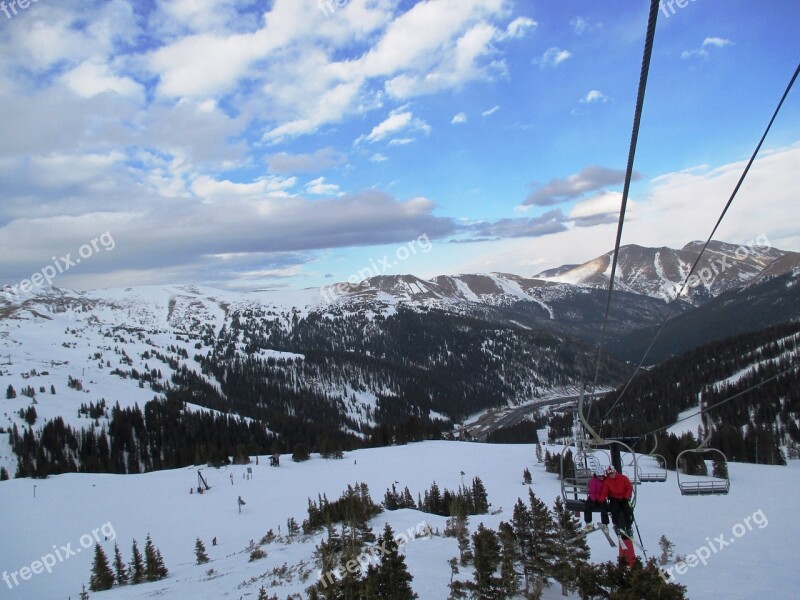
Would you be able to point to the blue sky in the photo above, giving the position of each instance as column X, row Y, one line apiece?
column 295, row 143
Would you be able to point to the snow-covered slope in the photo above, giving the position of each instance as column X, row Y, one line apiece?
column 755, row 522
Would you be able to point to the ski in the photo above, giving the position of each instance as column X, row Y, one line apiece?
column 622, row 535
column 582, row 534
column 585, row 532
column 604, row 529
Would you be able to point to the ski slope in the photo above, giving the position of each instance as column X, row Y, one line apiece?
column 758, row 563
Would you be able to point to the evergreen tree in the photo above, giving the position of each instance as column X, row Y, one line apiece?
column 480, row 498
column 84, row 595
column 102, row 577
column 200, row 552
column 3, row 474
column 621, row 582
column 137, row 572
column 487, row 559
column 390, row 579
column 720, row 467
column 11, row 393
column 527, row 479
column 300, row 453
column 154, row 568
column 120, row 572
column 667, row 550
column 509, row 557
column 570, row 557
column 535, row 531
column 538, row 453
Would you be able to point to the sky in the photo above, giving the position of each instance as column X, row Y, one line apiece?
column 297, row 143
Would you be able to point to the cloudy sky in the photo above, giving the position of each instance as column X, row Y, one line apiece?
column 295, row 143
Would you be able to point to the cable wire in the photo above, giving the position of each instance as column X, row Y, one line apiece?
column 708, row 241
column 637, row 119
column 721, row 402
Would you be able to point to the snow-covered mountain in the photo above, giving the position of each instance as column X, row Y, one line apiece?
column 660, row 272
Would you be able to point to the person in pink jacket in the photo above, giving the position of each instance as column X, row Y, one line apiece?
column 593, row 502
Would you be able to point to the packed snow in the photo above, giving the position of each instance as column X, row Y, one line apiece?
column 751, row 559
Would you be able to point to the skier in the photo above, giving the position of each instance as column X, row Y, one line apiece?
column 618, row 490
column 593, row 502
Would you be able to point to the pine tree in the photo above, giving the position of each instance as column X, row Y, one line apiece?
column 390, row 579
column 11, row 393
column 639, row 581
column 509, row 557
column 102, row 577
column 154, row 568
column 200, row 552
column 137, row 572
column 480, row 498
column 570, row 556
column 487, row 559
column 535, row 531
column 120, row 572
column 527, row 479
column 667, row 549
column 538, row 453
column 3, row 474
column 84, row 595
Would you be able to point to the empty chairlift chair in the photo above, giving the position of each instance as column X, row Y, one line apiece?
column 653, row 473
column 706, row 485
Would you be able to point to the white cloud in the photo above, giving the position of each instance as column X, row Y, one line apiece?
column 709, row 42
column 490, row 112
column 580, row 25
column 212, row 190
column 402, row 141
column 397, row 121
column 553, row 57
column 519, row 27
column 378, row 158
column 93, row 77
column 320, row 188
column 594, row 96
column 459, row 118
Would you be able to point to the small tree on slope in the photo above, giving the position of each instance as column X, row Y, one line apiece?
column 102, row 576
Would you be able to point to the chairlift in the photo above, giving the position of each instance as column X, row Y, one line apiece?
column 589, row 455
column 657, row 474
column 709, row 485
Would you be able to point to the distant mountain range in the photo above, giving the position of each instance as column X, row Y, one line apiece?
column 334, row 366
column 660, row 272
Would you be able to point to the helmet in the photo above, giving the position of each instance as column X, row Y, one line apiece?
column 600, row 472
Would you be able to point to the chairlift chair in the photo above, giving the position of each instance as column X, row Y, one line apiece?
column 708, row 485
column 575, row 484
column 656, row 475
